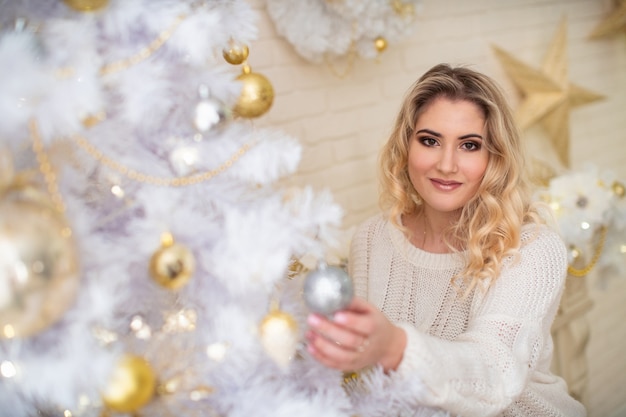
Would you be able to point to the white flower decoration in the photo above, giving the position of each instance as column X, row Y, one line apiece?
column 582, row 202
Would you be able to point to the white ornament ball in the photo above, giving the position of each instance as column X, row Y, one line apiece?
column 328, row 289
column 184, row 160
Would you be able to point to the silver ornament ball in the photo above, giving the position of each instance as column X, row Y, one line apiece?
column 208, row 114
column 328, row 289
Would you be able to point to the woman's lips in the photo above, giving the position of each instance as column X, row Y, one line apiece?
column 445, row 185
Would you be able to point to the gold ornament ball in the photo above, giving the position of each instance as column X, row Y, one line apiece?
column 39, row 275
column 236, row 53
column 618, row 189
column 172, row 265
column 279, row 336
column 131, row 386
column 278, row 321
column 380, row 44
column 86, row 5
column 257, row 95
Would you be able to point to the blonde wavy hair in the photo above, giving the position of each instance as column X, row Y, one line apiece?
column 490, row 223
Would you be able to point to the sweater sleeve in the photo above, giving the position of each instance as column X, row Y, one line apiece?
column 488, row 366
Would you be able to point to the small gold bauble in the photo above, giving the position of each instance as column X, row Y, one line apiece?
column 172, row 265
column 132, row 385
column 380, row 44
column 236, row 53
column 257, row 94
column 39, row 275
column 86, row 5
column 618, row 189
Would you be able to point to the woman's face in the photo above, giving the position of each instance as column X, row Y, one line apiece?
column 447, row 159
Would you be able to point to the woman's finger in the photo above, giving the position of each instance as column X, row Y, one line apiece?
column 360, row 317
column 333, row 354
column 338, row 334
column 359, row 305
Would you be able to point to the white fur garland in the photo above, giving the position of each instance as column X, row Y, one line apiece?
column 328, row 29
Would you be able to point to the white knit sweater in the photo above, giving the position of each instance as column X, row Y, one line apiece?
column 486, row 355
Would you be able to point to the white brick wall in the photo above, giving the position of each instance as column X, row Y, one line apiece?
column 342, row 122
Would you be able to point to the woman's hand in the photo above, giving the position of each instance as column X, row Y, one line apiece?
column 355, row 338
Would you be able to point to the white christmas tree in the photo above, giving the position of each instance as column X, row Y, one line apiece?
column 148, row 251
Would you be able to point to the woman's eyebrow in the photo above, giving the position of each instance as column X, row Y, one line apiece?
column 433, row 133
column 430, row 132
column 471, row 135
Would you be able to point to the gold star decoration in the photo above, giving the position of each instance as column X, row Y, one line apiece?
column 615, row 23
column 548, row 96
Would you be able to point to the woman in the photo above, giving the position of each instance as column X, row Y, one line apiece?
column 462, row 278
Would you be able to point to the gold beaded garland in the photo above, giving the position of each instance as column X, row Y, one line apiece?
column 153, row 180
column 45, row 167
column 581, row 272
column 144, row 53
column 39, row 269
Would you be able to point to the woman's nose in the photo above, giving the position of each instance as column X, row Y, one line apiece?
column 447, row 161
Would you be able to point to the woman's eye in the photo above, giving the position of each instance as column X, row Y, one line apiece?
column 427, row 141
column 470, row 146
